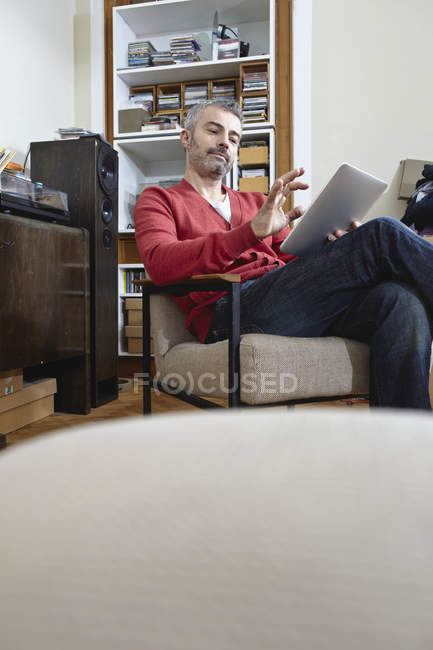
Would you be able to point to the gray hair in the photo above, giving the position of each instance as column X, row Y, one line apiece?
column 229, row 105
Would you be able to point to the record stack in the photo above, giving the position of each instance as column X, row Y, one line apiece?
column 184, row 49
column 139, row 53
column 195, row 94
column 254, row 109
column 71, row 133
column 161, row 123
column 224, row 91
column 228, row 48
column 162, row 58
column 142, row 99
column 169, row 101
column 255, row 81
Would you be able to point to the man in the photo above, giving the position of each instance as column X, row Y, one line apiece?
column 373, row 284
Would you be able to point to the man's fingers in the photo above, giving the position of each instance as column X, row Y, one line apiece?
column 292, row 174
column 275, row 190
column 293, row 186
column 295, row 213
column 339, row 233
column 286, row 184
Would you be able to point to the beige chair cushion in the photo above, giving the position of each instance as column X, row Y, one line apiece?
column 273, row 368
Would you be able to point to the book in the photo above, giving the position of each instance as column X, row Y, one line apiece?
column 139, row 53
column 71, row 133
column 6, row 156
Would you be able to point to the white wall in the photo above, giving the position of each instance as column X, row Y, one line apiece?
column 302, row 70
column 51, row 69
column 372, row 94
column 89, row 92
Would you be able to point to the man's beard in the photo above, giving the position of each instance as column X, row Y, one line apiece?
column 208, row 165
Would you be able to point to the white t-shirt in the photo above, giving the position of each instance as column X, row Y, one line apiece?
column 223, row 208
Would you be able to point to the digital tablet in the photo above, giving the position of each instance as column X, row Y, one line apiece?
column 347, row 197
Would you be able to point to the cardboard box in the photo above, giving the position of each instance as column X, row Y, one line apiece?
column 133, row 303
column 254, row 156
column 128, row 251
column 10, row 381
column 134, row 337
column 133, row 311
column 254, row 184
column 134, row 317
column 130, row 119
column 34, row 402
column 135, row 346
column 133, row 331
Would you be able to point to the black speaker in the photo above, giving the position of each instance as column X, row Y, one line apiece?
column 87, row 170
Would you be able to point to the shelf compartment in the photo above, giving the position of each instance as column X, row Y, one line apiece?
column 218, row 85
column 181, row 72
column 128, row 251
column 178, row 15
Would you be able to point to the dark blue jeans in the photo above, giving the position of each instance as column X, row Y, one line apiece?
column 375, row 285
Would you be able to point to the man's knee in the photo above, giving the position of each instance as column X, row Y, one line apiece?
column 385, row 224
column 405, row 307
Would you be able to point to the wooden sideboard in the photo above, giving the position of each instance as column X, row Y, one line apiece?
column 45, row 306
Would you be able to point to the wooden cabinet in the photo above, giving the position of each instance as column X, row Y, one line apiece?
column 45, row 310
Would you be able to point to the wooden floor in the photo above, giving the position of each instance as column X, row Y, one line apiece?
column 129, row 404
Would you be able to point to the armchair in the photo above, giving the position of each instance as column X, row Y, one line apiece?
column 249, row 369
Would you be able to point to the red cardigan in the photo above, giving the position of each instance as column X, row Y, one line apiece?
column 180, row 234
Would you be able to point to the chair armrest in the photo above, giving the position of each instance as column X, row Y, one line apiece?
column 208, row 282
column 229, row 282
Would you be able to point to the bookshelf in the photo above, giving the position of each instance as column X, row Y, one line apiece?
column 149, row 157
column 212, row 89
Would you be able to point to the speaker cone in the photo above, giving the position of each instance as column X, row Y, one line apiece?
column 107, row 210
column 107, row 169
column 107, row 238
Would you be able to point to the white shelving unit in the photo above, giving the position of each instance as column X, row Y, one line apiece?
column 268, row 136
column 147, row 158
column 145, row 161
column 122, row 295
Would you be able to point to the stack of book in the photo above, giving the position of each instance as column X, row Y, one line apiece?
column 184, row 49
column 162, row 58
column 169, row 101
column 195, row 94
column 254, row 109
column 224, row 91
column 128, row 277
column 139, row 53
column 142, row 99
column 255, row 81
column 71, row 133
column 160, row 123
column 6, row 156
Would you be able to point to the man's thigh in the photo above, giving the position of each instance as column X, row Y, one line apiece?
column 302, row 298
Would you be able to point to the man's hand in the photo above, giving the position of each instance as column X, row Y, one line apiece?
column 340, row 233
column 271, row 217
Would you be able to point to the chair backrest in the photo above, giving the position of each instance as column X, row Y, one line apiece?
column 168, row 325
